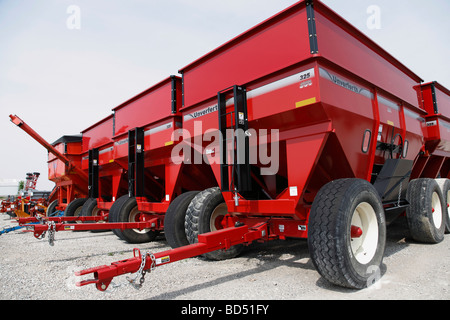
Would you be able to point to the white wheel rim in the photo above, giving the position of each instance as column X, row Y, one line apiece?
column 132, row 218
column 96, row 212
column 436, row 210
column 365, row 246
column 77, row 213
column 220, row 210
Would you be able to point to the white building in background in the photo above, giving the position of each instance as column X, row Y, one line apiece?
column 8, row 187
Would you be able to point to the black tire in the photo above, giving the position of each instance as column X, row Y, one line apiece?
column 74, row 208
column 51, row 209
column 444, row 184
column 125, row 214
column 90, row 209
column 174, row 220
column 342, row 259
column 199, row 216
column 426, row 213
column 113, row 215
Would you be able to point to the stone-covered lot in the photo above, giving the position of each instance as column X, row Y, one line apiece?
column 280, row 270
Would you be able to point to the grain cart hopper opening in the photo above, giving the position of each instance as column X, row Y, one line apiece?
column 350, row 129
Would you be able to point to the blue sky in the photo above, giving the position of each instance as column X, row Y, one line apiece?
column 61, row 81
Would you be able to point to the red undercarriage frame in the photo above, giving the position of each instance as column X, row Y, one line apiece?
column 279, row 228
column 144, row 221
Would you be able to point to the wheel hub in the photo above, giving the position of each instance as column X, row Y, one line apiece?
column 436, row 210
column 364, row 233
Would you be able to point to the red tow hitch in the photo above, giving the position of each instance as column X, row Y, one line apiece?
column 218, row 240
column 104, row 274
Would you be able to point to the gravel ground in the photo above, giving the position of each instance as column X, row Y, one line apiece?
column 30, row 269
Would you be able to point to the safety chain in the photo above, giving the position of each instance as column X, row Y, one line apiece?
column 51, row 233
column 141, row 272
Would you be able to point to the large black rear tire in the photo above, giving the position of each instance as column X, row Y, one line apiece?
column 347, row 233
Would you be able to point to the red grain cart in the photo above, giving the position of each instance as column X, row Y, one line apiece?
column 132, row 178
column 142, row 142
column 97, row 152
column 68, row 184
column 346, row 136
column 64, row 167
column 146, row 130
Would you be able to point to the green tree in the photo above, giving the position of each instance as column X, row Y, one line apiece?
column 21, row 186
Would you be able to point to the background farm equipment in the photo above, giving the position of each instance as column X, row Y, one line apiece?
column 29, row 202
